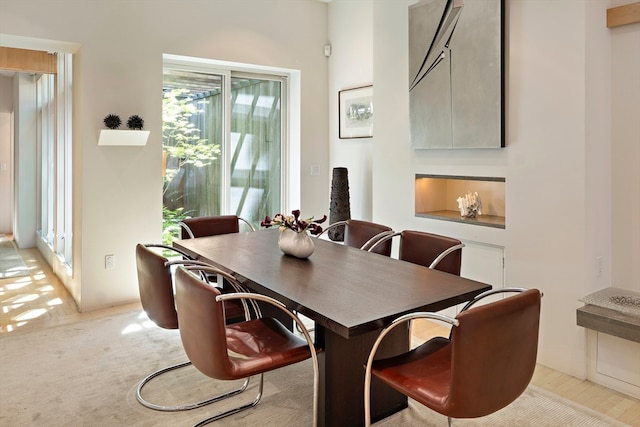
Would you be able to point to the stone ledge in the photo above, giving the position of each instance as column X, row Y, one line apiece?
column 609, row 321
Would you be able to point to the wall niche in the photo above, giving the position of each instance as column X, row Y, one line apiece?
column 436, row 197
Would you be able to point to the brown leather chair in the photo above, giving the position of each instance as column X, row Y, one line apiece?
column 485, row 364
column 211, row 226
column 431, row 250
column 241, row 350
column 364, row 234
column 155, row 284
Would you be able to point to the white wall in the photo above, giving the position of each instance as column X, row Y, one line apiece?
column 598, row 66
column 6, row 154
column 557, row 162
column 613, row 362
column 351, row 65
column 24, row 227
column 118, row 69
column 546, row 193
column 6, row 174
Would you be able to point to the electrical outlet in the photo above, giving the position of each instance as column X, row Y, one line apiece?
column 599, row 266
column 315, row 170
column 109, row 262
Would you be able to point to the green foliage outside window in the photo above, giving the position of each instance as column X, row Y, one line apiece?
column 170, row 227
column 182, row 142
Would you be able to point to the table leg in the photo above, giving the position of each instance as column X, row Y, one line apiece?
column 341, row 394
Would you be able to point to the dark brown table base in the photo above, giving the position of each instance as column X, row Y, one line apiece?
column 342, row 378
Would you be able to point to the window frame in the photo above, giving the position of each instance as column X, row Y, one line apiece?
column 290, row 128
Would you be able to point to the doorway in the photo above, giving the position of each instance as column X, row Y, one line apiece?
column 38, row 85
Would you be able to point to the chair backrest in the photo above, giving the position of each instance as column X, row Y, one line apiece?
column 423, row 248
column 209, row 226
column 202, row 325
column 156, row 287
column 357, row 233
column 493, row 354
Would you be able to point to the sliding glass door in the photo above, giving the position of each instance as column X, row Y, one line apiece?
column 255, row 147
column 222, row 142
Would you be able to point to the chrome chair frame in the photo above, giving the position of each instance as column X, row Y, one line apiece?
column 187, row 407
column 190, row 263
column 444, row 253
column 190, row 233
column 332, row 226
column 434, row 263
column 368, row 245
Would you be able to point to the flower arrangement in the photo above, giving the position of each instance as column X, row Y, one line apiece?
column 294, row 223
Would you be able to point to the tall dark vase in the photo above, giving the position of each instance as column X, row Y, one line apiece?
column 339, row 208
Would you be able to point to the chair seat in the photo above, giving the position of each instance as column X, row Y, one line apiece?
column 256, row 343
column 423, row 373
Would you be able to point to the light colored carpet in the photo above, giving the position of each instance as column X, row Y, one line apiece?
column 86, row 373
column 11, row 263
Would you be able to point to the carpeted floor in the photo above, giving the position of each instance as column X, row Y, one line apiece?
column 11, row 263
column 86, row 373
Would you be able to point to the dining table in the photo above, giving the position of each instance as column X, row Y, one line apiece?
column 350, row 294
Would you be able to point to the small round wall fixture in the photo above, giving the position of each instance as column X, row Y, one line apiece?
column 135, row 122
column 112, row 121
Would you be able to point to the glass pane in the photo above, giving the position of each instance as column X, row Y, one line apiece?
column 45, row 100
column 192, row 137
column 64, row 190
column 255, row 148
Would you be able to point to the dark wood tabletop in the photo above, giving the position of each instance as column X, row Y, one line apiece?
column 346, row 290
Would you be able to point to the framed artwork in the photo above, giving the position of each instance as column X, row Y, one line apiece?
column 355, row 112
column 456, row 103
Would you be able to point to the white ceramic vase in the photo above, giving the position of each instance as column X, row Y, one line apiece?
column 299, row 245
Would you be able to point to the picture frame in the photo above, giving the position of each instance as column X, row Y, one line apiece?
column 355, row 112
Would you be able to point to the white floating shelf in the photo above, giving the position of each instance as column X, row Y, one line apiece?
column 123, row 137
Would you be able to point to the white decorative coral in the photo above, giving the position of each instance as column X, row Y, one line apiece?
column 470, row 205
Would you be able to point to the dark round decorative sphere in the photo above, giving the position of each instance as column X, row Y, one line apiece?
column 135, row 122
column 112, row 121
